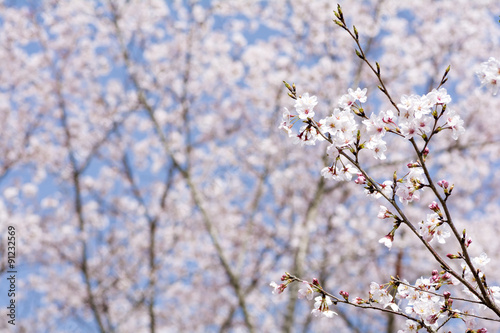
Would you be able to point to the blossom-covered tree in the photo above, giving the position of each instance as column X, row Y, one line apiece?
column 151, row 191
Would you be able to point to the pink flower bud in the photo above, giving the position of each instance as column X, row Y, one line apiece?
column 344, row 294
column 315, row 282
column 361, row 179
column 434, row 206
column 443, row 183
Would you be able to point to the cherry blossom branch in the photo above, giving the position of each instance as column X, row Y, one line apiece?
column 419, row 117
column 398, row 281
column 316, row 287
column 313, row 130
column 361, row 54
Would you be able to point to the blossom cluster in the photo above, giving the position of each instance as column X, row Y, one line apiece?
column 422, row 303
column 349, row 129
column 322, row 302
column 418, row 116
column 380, row 294
column 480, row 262
column 423, row 300
column 489, row 74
